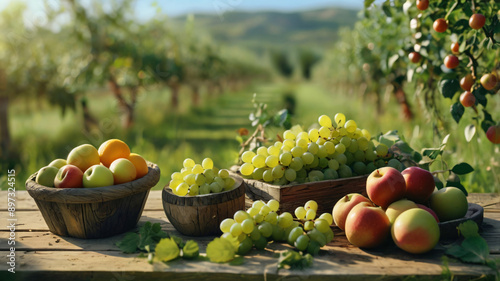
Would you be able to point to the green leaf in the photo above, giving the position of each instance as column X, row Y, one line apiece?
column 456, row 251
column 150, row 235
column 480, row 95
column 469, row 132
column 129, row 243
column 457, row 110
column 291, row 259
column 220, row 250
column 432, row 153
column 190, row 250
column 462, row 168
column 438, row 183
column 487, row 121
column 448, row 87
column 368, row 3
column 468, row 229
column 477, row 250
column 167, row 250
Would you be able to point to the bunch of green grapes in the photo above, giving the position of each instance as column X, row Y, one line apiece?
column 334, row 150
column 261, row 224
column 198, row 179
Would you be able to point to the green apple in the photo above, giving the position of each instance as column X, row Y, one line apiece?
column 449, row 203
column 58, row 163
column 97, row 175
column 46, row 176
column 83, row 157
column 123, row 170
column 415, row 231
column 398, row 207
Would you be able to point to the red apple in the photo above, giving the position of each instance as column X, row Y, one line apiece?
column 69, row 176
column 344, row 206
column 398, row 207
column 385, row 185
column 123, row 170
column 415, row 231
column 493, row 134
column 429, row 210
column 419, row 184
column 367, row 226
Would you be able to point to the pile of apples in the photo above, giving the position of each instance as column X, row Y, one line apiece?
column 89, row 167
column 405, row 205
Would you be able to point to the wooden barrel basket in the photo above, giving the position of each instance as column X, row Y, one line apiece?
column 201, row 215
column 93, row 212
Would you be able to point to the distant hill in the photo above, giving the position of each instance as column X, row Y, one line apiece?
column 256, row 30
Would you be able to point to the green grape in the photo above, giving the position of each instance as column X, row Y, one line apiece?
column 190, row 179
column 308, row 225
column 350, row 126
column 259, row 161
column 380, row 163
column 317, row 236
column 301, row 173
column 370, row 155
column 182, row 189
column 240, row 216
column 320, row 141
column 314, row 164
column 313, row 135
column 349, row 158
column 255, row 235
column 247, row 226
column 235, row 229
column 278, row 144
column 220, row 181
column 341, row 159
column 363, row 143
column 271, row 217
column 221, row 250
column 345, row 171
column 322, row 151
column 294, row 234
column 290, row 175
column 272, row 161
column 340, row 119
column 285, row 158
column 381, row 149
column 322, row 225
column 273, row 150
column 325, row 121
column 209, row 175
column 340, row 148
column 288, row 144
column 285, row 220
column 258, row 218
column 174, row 183
column 194, row 190
column 327, row 217
column 342, row 132
column 273, row 204
column 335, row 134
column 313, row 147
column 231, row 239
column 252, row 211
column 262, row 151
column 204, row 189
column 296, row 164
column 297, row 151
column 359, row 168
column 396, row 164
column 311, row 205
column 333, row 164
column 324, row 132
column 188, row 163
column 316, row 175
column 323, row 163
column 329, row 235
column 229, row 183
column 359, row 156
column 215, row 187
column 244, row 247
column 353, row 147
column 258, row 173
column 279, row 234
column 330, row 174
column 268, row 175
column 261, row 243
column 264, row 210
column 302, row 143
column 266, row 229
column 346, row 141
column 370, row 167
column 207, row 163
column 311, row 214
column 358, row 133
column 176, row 176
column 258, row 204
column 302, row 242
column 330, row 147
column 200, row 179
column 223, row 173
column 225, row 225
column 246, row 169
column 247, row 156
column 303, row 135
column 288, row 135
column 197, row 169
column 307, row 158
column 366, row 134
column 300, row 213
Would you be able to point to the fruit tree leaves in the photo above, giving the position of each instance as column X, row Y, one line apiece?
column 487, row 121
column 473, row 248
column 462, row 168
column 468, row 229
column 457, row 110
column 368, row 3
column 448, row 87
column 469, row 132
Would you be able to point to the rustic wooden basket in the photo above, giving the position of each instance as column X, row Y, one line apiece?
column 326, row 193
column 201, row 215
column 93, row 212
column 448, row 229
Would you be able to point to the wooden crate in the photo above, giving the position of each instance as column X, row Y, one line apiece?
column 326, row 193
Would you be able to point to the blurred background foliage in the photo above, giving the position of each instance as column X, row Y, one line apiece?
column 178, row 87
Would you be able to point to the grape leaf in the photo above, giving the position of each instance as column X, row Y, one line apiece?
column 167, row 250
column 129, row 243
column 147, row 238
column 462, row 169
column 291, row 259
column 220, row 250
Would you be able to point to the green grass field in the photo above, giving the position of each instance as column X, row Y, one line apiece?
column 167, row 138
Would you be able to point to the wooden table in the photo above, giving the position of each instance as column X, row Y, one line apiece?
column 41, row 255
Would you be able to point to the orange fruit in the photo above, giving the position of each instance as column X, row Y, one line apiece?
column 111, row 150
column 140, row 164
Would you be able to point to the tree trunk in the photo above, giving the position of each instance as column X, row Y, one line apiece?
column 4, row 127
column 89, row 121
column 195, row 97
column 403, row 101
column 174, row 98
column 128, row 109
